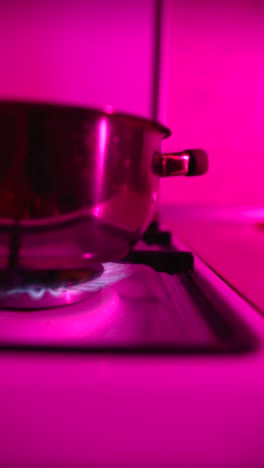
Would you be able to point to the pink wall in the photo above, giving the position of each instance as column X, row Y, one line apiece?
column 78, row 51
column 93, row 53
column 214, row 83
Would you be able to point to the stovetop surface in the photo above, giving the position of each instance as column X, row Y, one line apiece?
column 151, row 302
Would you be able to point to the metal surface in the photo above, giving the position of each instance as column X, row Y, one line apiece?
column 76, row 185
column 130, row 309
column 171, row 164
column 188, row 163
column 165, row 316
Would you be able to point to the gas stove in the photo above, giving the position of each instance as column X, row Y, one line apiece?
column 151, row 301
column 159, row 363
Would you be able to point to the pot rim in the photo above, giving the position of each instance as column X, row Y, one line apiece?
column 108, row 111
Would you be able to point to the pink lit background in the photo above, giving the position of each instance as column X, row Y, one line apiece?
column 213, row 98
column 214, row 82
column 98, row 53
column 78, row 52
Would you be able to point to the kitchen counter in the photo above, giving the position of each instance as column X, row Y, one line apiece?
column 232, row 246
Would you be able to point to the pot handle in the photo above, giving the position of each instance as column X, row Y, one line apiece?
column 189, row 163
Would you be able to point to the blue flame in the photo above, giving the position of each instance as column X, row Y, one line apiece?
column 113, row 272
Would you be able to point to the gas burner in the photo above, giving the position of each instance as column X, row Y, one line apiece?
column 34, row 290
column 47, row 289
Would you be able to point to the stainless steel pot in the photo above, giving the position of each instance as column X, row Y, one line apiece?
column 79, row 186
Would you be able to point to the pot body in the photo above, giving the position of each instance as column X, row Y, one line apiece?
column 76, row 185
